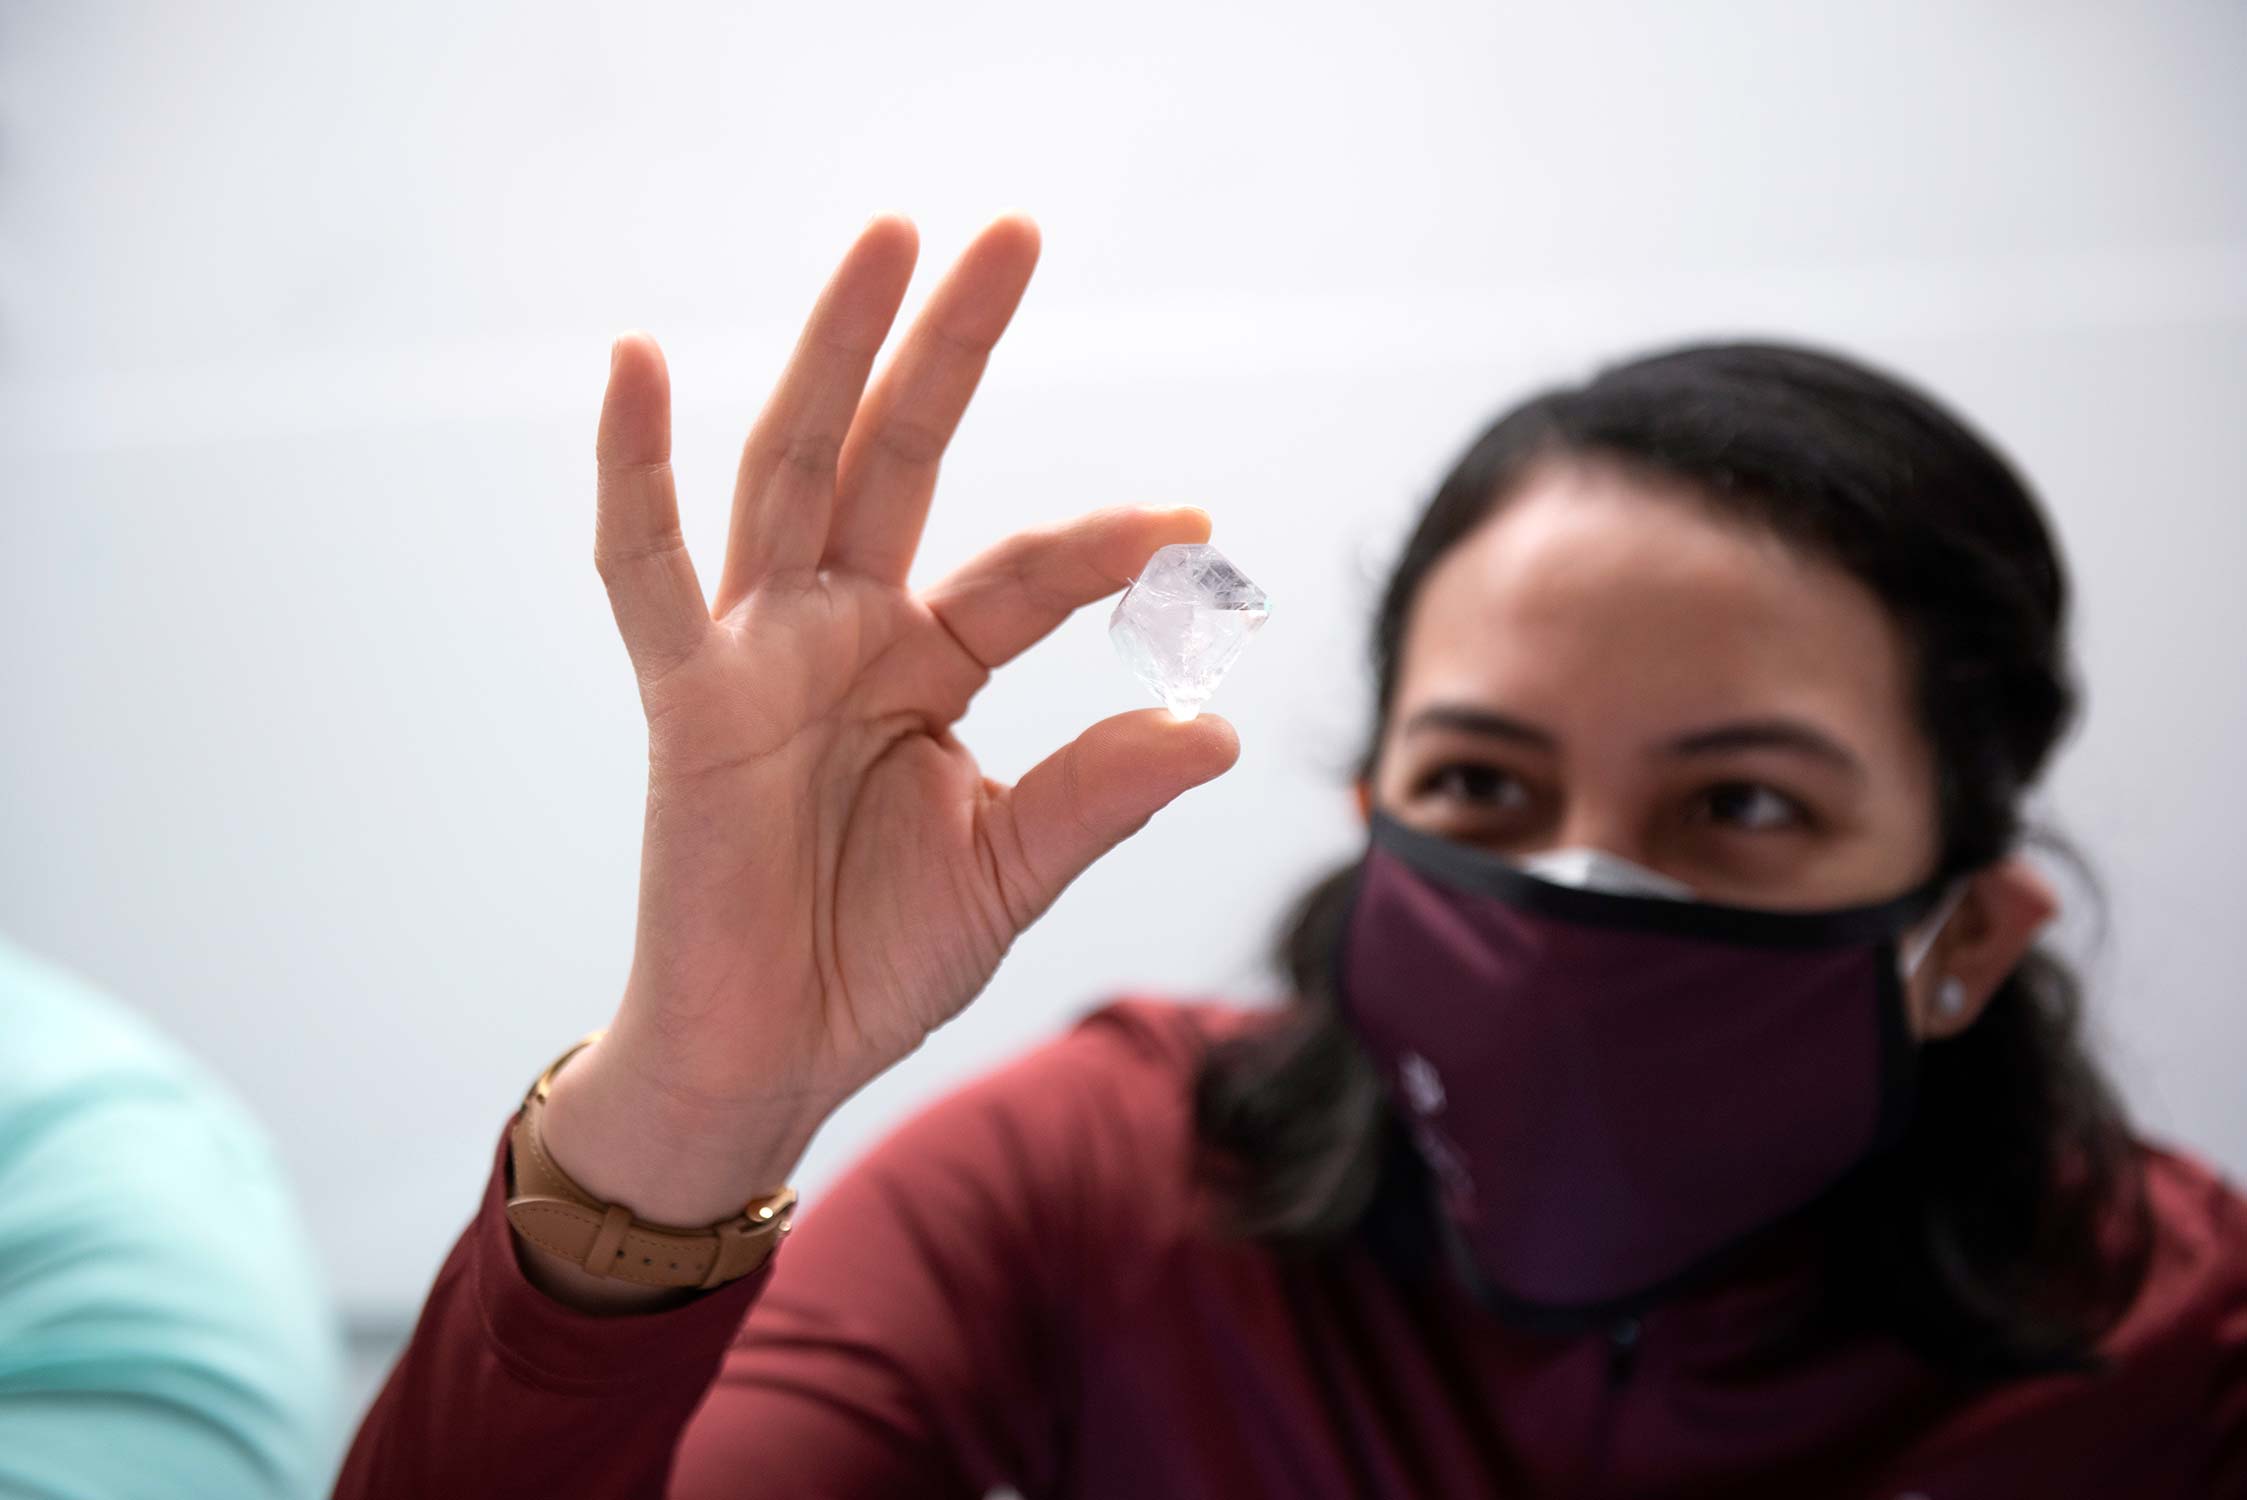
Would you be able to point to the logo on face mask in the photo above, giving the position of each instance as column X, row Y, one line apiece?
column 1423, row 1087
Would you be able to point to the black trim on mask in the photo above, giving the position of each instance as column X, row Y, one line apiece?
column 1472, row 869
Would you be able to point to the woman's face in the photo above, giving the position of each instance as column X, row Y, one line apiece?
column 1609, row 662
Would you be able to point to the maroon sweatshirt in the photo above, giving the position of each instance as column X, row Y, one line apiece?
column 1020, row 1287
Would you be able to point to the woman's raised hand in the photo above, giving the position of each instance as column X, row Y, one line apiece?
column 826, row 875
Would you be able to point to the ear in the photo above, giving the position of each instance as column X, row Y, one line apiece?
column 2004, row 908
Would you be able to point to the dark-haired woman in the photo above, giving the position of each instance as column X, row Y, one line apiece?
column 1672, row 1100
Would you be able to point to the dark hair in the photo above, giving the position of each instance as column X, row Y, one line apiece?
column 1979, row 1239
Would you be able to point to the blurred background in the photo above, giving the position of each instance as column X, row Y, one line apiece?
column 317, row 743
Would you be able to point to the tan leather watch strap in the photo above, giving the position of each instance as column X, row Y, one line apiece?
column 557, row 1215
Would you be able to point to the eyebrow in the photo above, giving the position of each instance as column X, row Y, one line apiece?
column 1774, row 733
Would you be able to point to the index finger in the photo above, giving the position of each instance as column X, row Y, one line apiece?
column 1011, row 596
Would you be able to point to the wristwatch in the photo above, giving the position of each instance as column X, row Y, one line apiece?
column 555, row 1214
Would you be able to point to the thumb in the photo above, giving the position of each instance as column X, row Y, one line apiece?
column 1102, row 787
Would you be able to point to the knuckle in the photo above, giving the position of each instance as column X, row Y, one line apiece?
column 1073, row 799
column 655, row 668
column 911, row 441
column 811, row 453
column 978, row 671
column 1031, row 568
column 958, row 344
column 611, row 558
column 614, row 470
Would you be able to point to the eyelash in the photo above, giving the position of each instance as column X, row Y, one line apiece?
column 1797, row 815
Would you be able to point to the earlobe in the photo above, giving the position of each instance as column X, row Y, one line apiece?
column 2006, row 906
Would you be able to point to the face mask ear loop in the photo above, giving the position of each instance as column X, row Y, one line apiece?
column 1915, row 951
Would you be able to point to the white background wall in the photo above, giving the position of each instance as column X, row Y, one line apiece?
column 315, row 738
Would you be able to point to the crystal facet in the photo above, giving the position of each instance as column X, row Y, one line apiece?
column 1183, row 621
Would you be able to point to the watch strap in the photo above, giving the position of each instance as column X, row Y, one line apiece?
column 551, row 1211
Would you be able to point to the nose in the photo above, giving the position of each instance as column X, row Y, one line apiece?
column 1585, row 826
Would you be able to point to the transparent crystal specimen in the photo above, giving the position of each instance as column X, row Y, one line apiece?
column 1184, row 620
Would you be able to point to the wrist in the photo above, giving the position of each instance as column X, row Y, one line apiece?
column 626, row 1140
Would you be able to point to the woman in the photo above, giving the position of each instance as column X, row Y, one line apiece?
column 1672, row 1101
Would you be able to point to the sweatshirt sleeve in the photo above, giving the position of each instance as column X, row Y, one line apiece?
column 912, row 1336
column 506, row 1394
column 924, row 1337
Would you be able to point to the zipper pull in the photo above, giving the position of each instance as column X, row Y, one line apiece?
column 1622, row 1349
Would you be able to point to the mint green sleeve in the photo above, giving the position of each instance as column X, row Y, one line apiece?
column 163, row 1329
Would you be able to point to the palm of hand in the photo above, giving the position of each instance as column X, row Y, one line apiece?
column 827, row 876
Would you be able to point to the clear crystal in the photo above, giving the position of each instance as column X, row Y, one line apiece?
column 1183, row 621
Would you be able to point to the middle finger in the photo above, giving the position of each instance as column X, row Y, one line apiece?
column 888, row 467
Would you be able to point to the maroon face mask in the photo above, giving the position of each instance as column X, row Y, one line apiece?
column 1615, row 1090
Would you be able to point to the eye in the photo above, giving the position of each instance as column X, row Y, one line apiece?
column 1753, row 807
column 1476, row 783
